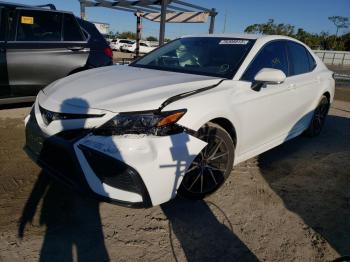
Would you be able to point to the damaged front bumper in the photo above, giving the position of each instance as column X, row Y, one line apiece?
column 130, row 170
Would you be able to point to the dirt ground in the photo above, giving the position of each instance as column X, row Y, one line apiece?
column 291, row 203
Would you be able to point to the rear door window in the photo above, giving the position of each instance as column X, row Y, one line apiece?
column 272, row 55
column 71, row 29
column 34, row 25
column 298, row 59
column 312, row 61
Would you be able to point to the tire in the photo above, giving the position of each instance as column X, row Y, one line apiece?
column 318, row 118
column 212, row 165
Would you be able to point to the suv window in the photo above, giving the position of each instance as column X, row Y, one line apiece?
column 298, row 59
column 71, row 29
column 36, row 25
column 272, row 55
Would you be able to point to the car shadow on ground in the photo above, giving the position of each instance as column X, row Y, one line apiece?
column 73, row 223
column 201, row 235
column 312, row 178
column 199, row 232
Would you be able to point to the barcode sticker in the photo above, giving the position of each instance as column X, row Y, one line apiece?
column 233, row 42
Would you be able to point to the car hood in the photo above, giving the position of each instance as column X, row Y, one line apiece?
column 121, row 88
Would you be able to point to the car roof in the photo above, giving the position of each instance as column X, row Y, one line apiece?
column 231, row 35
column 7, row 4
column 33, row 7
column 242, row 36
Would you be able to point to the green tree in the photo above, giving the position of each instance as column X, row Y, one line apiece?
column 339, row 22
column 127, row 35
column 270, row 28
column 152, row 38
column 324, row 40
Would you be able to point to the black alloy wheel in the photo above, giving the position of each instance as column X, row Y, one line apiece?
column 319, row 118
column 213, row 164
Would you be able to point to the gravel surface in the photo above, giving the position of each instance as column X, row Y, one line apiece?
column 291, row 203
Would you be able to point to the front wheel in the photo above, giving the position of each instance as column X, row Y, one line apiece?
column 318, row 118
column 212, row 166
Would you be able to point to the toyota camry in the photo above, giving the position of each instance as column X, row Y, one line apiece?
column 177, row 120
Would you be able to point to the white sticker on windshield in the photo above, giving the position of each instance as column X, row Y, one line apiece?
column 233, row 42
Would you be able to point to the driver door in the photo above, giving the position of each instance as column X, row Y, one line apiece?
column 267, row 115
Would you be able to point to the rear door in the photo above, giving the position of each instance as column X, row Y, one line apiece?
column 304, row 81
column 43, row 46
column 4, row 85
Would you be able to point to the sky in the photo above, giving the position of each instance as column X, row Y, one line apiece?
column 312, row 15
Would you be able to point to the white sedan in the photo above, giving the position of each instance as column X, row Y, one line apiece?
column 177, row 120
column 116, row 44
column 143, row 49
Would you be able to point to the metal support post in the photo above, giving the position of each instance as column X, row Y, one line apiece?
column 213, row 13
column 162, row 22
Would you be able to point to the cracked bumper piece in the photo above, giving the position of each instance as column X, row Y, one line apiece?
column 130, row 170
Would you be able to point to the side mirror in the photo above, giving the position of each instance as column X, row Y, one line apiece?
column 268, row 76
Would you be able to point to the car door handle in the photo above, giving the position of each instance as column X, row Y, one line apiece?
column 75, row 48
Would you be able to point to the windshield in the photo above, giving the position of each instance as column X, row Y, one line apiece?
column 212, row 56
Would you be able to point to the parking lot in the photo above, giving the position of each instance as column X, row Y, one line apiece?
column 291, row 203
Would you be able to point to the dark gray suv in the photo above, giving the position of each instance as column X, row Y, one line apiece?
column 39, row 45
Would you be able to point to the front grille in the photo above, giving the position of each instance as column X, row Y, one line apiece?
column 111, row 171
column 49, row 116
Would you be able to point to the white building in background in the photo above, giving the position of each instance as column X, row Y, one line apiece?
column 103, row 28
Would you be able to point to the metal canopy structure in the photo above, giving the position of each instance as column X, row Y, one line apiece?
column 162, row 11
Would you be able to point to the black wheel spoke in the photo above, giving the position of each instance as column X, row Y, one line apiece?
column 194, row 167
column 215, row 168
column 218, row 156
column 210, row 168
column 198, row 176
column 212, row 175
column 216, row 148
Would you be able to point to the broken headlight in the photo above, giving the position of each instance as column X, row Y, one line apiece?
column 149, row 123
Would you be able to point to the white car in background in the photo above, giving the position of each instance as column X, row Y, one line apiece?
column 144, row 47
column 116, row 44
column 177, row 120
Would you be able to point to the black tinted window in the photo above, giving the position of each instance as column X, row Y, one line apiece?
column 2, row 26
column 213, row 56
column 298, row 59
column 39, row 26
column 71, row 29
column 272, row 55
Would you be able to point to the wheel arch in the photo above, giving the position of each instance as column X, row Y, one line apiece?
column 328, row 95
column 228, row 126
